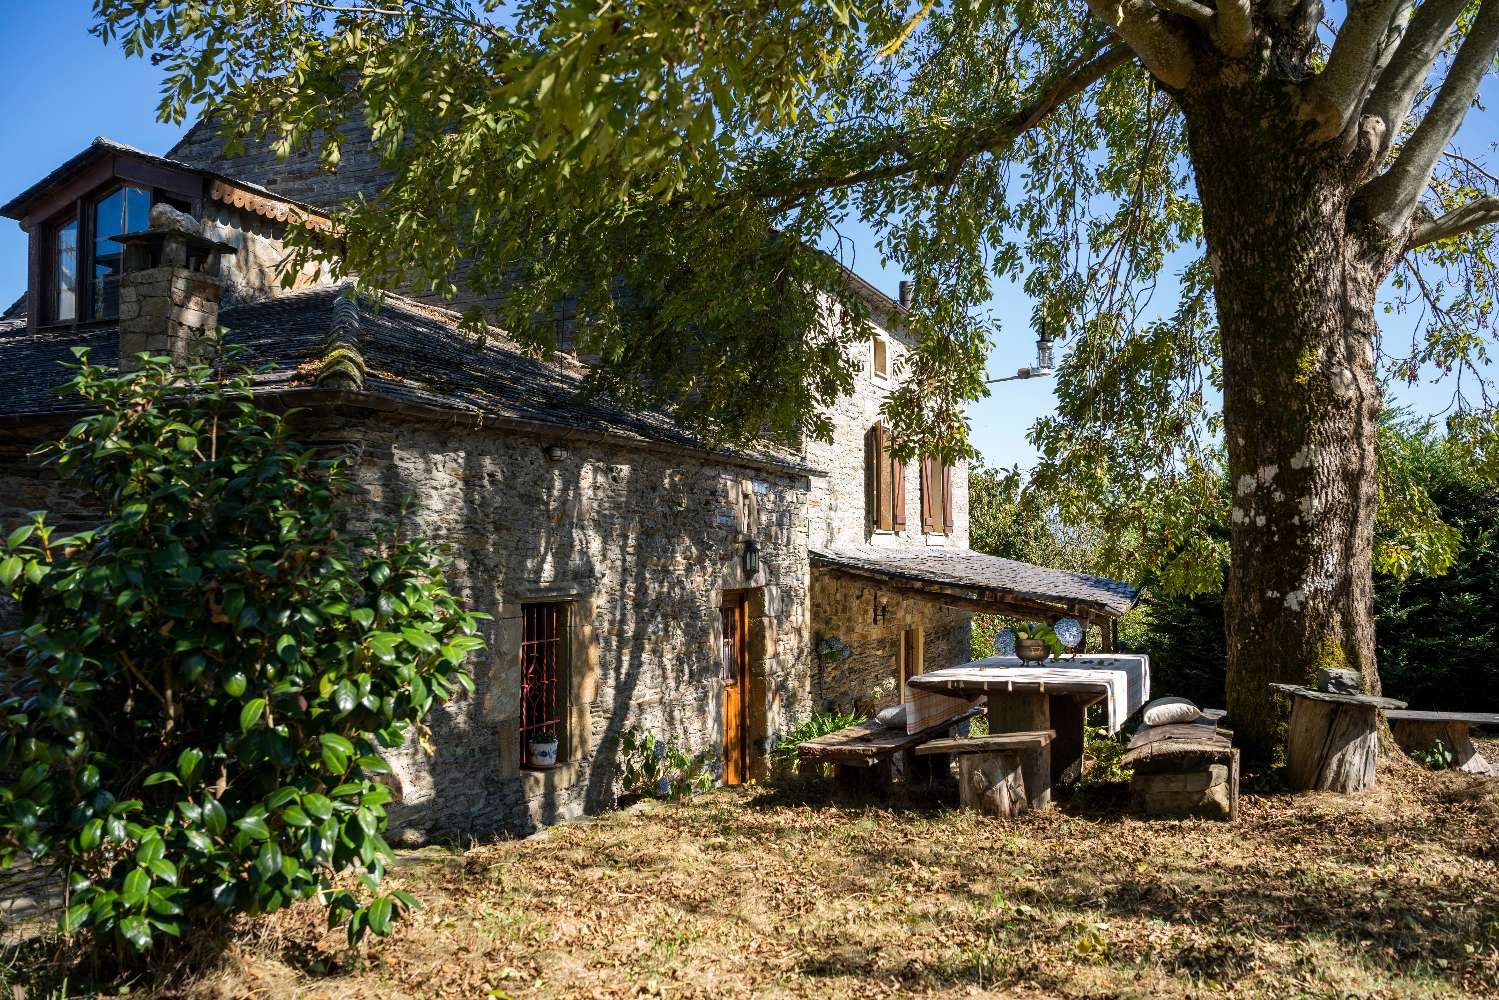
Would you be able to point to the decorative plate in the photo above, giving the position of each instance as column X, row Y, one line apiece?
column 1004, row 642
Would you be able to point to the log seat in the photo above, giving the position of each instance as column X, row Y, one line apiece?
column 1417, row 732
column 1185, row 769
column 991, row 775
column 866, row 755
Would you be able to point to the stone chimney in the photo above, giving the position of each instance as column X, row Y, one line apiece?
column 905, row 294
column 169, row 291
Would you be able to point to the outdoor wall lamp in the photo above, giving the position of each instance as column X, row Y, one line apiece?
column 751, row 557
column 556, row 451
column 881, row 610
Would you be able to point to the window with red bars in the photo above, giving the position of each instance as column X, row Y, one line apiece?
column 540, row 673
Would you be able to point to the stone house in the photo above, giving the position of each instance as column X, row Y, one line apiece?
column 636, row 576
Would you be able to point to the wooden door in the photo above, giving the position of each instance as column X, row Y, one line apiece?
column 734, row 655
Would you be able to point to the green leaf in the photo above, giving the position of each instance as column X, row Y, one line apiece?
column 379, row 915
column 318, row 806
column 250, row 714
column 268, row 861
column 286, row 648
column 10, row 568
column 136, row 931
column 133, row 889
column 255, row 826
column 74, row 917
column 214, row 819
column 161, row 777
column 235, row 684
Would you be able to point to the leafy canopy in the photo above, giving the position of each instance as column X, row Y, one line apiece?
column 675, row 165
column 198, row 699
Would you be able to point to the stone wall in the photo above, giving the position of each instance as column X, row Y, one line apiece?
column 254, row 272
column 843, row 607
column 640, row 546
column 838, row 501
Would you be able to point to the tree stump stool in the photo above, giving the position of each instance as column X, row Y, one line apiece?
column 1332, row 742
column 1418, row 732
column 991, row 769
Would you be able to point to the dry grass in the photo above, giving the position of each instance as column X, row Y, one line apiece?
column 781, row 893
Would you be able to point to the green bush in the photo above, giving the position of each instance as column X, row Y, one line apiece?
column 783, row 756
column 199, row 693
column 661, row 768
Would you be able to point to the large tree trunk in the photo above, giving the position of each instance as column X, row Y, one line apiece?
column 1295, row 295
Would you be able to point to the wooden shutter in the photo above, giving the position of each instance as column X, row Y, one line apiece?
column 898, row 495
column 887, row 486
column 928, row 515
column 872, row 476
column 947, row 498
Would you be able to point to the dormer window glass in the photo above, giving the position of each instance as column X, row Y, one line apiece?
column 124, row 210
column 65, row 271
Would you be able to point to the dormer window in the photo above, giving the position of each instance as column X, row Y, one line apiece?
column 126, row 209
column 64, row 298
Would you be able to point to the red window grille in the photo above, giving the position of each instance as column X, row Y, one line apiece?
column 540, row 669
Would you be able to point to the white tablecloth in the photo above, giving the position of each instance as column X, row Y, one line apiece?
column 1122, row 679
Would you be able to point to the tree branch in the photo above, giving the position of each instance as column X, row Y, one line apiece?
column 1335, row 96
column 1160, row 48
column 1085, row 70
column 1232, row 28
column 1474, row 215
column 1190, row 9
column 1393, row 36
column 1410, row 64
column 1391, row 198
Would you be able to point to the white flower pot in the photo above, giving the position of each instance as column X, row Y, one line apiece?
column 543, row 754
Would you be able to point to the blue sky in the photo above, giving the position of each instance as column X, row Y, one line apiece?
column 64, row 87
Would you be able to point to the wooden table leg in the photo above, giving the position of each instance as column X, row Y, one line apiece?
column 991, row 783
column 1068, row 717
column 1014, row 712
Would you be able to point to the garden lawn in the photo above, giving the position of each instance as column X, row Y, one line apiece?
column 757, row 892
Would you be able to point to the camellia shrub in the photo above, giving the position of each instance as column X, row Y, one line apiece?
column 196, row 701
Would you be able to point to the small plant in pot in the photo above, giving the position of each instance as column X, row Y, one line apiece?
column 1035, row 641
column 542, row 749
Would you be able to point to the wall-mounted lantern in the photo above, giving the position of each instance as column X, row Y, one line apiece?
column 881, row 609
column 751, row 557
column 556, row 451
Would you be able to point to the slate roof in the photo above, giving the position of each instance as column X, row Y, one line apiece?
column 100, row 147
column 414, row 354
column 968, row 570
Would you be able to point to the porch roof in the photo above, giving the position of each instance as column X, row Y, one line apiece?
column 981, row 582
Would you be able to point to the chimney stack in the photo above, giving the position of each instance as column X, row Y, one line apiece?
column 905, row 294
column 169, row 291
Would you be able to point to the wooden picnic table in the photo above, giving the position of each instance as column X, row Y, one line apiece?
column 1054, row 697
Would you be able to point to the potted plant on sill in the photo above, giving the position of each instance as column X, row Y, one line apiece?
column 542, row 749
column 1035, row 641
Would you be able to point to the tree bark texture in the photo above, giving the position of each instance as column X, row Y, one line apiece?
column 1295, row 290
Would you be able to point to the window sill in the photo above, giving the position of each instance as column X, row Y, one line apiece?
column 537, row 782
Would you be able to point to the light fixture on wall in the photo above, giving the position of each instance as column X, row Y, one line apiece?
column 881, row 609
column 556, row 451
column 751, row 557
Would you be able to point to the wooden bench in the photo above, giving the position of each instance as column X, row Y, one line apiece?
column 1185, row 769
column 865, row 754
column 1418, row 732
column 990, row 770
